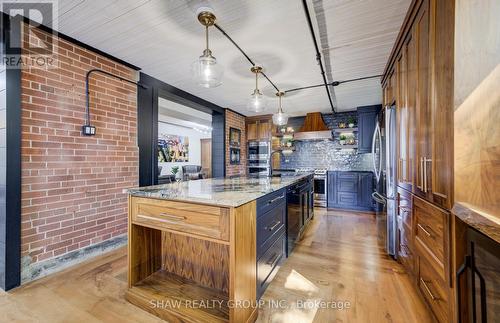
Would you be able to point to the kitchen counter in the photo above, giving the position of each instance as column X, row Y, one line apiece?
column 202, row 241
column 227, row 192
column 485, row 223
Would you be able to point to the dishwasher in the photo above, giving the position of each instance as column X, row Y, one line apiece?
column 293, row 216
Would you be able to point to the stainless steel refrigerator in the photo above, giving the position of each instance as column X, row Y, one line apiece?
column 384, row 166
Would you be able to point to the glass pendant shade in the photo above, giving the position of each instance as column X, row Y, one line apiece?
column 206, row 72
column 280, row 118
column 257, row 102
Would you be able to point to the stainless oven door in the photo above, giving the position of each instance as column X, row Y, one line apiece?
column 320, row 190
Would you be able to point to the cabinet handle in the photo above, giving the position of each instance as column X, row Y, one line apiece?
column 426, row 160
column 275, row 199
column 434, row 298
column 170, row 216
column 424, row 230
column 421, row 171
column 274, row 226
column 273, row 259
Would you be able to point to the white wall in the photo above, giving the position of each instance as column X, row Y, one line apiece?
column 194, row 145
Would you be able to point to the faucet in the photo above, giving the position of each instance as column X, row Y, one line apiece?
column 270, row 173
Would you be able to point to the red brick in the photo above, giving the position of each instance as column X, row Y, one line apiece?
column 71, row 192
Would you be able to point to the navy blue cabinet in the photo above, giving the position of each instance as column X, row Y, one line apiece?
column 271, row 238
column 367, row 119
column 350, row 190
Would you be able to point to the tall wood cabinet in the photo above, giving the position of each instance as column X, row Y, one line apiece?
column 418, row 80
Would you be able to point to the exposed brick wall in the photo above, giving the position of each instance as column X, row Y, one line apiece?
column 71, row 184
column 237, row 121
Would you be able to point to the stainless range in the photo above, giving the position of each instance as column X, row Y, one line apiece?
column 320, row 185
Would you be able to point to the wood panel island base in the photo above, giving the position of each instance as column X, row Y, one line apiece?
column 193, row 247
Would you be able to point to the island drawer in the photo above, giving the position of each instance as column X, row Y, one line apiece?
column 270, row 225
column 270, row 201
column 203, row 220
column 269, row 264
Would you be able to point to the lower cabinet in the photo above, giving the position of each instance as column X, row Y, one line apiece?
column 295, row 203
column 424, row 250
column 350, row 190
column 269, row 264
column 271, row 238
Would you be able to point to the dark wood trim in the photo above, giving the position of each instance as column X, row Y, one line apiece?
column 75, row 41
column 12, row 252
column 147, row 125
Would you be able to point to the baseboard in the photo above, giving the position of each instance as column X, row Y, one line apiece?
column 30, row 272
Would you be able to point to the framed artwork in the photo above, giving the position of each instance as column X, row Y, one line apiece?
column 234, row 156
column 173, row 148
column 234, row 137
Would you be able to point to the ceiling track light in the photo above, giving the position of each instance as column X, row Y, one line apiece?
column 205, row 70
column 280, row 118
column 257, row 102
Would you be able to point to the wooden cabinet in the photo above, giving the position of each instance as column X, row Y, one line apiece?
column 419, row 81
column 252, row 132
column 423, row 129
column 419, row 78
column 432, row 245
column 259, row 128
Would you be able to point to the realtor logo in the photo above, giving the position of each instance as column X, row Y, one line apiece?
column 38, row 50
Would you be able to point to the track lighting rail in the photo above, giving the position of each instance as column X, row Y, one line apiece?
column 335, row 83
column 244, row 54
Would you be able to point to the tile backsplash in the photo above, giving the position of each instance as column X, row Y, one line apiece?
column 323, row 154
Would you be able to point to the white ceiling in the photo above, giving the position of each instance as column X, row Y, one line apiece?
column 164, row 37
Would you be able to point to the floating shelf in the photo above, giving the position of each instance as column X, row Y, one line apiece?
column 339, row 147
column 283, row 134
column 344, row 130
column 284, row 148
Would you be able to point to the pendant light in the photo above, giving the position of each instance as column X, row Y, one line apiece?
column 280, row 118
column 205, row 70
column 257, row 101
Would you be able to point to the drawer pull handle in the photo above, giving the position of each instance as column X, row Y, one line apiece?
column 273, row 259
column 275, row 199
column 424, row 230
column 434, row 298
column 170, row 216
column 274, row 226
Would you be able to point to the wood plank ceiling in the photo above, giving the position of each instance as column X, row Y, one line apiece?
column 164, row 38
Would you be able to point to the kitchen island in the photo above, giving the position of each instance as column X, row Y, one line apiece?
column 199, row 250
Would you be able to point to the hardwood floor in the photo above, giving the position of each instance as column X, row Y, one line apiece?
column 338, row 260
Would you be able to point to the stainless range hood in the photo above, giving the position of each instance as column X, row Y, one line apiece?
column 314, row 128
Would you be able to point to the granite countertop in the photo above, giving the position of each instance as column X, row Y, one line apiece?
column 486, row 223
column 228, row 192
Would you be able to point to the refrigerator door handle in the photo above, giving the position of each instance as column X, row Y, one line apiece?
column 377, row 170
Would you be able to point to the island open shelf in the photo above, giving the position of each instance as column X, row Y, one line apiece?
column 189, row 261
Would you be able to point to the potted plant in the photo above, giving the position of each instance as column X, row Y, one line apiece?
column 342, row 139
column 341, row 125
column 351, row 122
column 175, row 171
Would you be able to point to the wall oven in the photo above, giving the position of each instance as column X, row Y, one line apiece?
column 258, row 158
